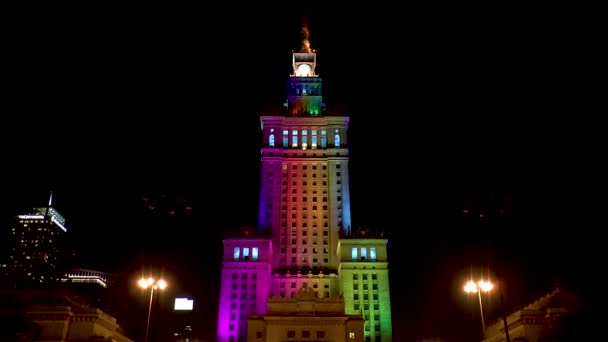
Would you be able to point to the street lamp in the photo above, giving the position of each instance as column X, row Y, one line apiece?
column 153, row 284
column 478, row 287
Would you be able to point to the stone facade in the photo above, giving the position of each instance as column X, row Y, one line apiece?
column 305, row 318
column 58, row 318
column 537, row 321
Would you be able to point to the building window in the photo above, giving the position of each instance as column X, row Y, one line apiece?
column 246, row 253
column 254, row 253
column 320, row 334
column 304, row 139
column 353, row 252
column 337, row 140
column 363, row 253
column 237, row 252
column 285, row 138
column 305, row 334
column 291, row 333
column 314, row 139
column 294, row 138
column 271, row 140
column 351, row 335
column 258, row 334
column 372, row 253
column 323, row 139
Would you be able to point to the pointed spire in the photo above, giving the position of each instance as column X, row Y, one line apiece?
column 305, row 35
column 51, row 198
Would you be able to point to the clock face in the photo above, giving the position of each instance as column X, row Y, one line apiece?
column 304, row 70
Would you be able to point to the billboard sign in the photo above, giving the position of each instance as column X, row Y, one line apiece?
column 183, row 304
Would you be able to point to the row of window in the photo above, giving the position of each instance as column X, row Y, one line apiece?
column 304, row 140
column 244, row 276
column 254, row 253
column 365, row 296
column 235, row 286
column 357, row 307
column 303, row 242
column 304, row 260
column 365, row 286
column 356, row 252
column 364, row 276
column 305, row 334
column 243, row 307
column 234, row 296
column 294, row 166
column 304, row 250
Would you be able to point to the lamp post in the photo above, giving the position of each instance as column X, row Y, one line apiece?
column 478, row 287
column 153, row 284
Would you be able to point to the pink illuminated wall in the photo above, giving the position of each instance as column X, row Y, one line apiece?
column 245, row 285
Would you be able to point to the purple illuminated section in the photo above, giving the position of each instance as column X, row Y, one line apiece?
column 262, row 218
column 235, row 299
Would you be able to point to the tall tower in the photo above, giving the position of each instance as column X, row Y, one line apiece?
column 34, row 253
column 306, row 240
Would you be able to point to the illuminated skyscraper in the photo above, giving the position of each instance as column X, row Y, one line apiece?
column 34, row 249
column 305, row 273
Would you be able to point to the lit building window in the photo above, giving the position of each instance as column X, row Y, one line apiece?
column 294, row 138
column 285, row 138
column 245, row 253
column 372, row 253
column 337, row 140
column 323, row 139
column 351, row 335
column 354, row 253
column 304, row 139
column 237, row 252
column 314, row 139
column 363, row 253
column 271, row 140
column 254, row 253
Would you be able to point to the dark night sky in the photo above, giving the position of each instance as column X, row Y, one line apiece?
column 107, row 106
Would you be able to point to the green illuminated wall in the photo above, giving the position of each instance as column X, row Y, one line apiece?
column 365, row 285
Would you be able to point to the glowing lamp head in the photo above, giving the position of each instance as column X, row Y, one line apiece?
column 153, row 283
column 481, row 285
column 485, row 286
column 470, row 287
